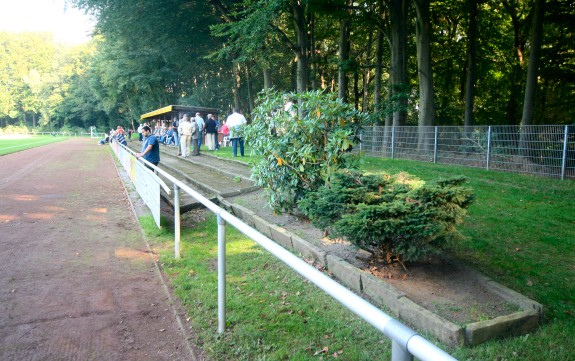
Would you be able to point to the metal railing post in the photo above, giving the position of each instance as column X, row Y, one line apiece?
column 392, row 142
column 398, row 353
column 435, row 145
column 488, row 146
column 564, row 161
column 221, row 274
column 176, row 221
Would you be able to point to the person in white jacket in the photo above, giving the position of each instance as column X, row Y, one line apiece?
column 235, row 122
column 185, row 130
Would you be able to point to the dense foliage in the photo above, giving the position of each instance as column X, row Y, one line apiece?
column 450, row 57
column 394, row 217
column 302, row 140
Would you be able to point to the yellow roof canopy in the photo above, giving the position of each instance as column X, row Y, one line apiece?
column 171, row 111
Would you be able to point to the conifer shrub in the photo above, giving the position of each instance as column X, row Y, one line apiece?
column 395, row 217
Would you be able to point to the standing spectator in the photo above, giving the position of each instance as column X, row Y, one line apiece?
column 196, row 137
column 218, row 130
column 225, row 133
column 235, row 123
column 175, row 125
column 140, row 137
column 185, row 130
column 211, row 133
column 200, row 122
column 150, row 147
column 120, row 136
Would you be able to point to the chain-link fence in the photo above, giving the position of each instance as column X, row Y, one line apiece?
column 546, row 150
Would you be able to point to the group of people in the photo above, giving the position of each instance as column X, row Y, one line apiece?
column 188, row 131
column 191, row 130
column 119, row 135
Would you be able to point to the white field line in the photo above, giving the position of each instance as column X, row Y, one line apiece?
column 21, row 145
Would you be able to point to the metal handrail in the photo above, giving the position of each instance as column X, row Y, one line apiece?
column 406, row 343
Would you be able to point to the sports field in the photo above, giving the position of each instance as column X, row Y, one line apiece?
column 15, row 143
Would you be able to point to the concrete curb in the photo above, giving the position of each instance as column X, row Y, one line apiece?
column 398, row 303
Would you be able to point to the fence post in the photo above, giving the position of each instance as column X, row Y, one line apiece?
column 564, row 162
column 488, row 146
column 392, row 141
column 360, row 139
column 435, row 145
column 221, row 274
column 176, row 221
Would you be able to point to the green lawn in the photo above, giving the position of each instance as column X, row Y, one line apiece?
column 520, row 231
column 11, row 144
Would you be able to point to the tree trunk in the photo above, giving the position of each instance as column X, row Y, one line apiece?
column 534, row 55
column 267, row 73
column 426, row 95
column 367, row 74
column 377, row 103
column 313, row 65
column 344, row 48
column 471, row 61
column 237, row 86
column 356, row 92
column 249, row 90
column 298, row 13
column 531, row 83
column 399, row 84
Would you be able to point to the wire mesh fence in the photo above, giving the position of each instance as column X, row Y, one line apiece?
column 545, row 150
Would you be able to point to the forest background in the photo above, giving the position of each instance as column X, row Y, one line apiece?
column 420, row 62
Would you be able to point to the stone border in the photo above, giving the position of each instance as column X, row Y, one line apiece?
column 398, row 303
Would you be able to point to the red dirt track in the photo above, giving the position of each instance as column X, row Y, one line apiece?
column 76, row 279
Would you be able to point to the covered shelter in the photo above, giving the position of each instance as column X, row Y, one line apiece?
column 161, row 120
column 170, row 112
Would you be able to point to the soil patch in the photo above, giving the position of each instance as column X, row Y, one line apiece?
column 437, row 284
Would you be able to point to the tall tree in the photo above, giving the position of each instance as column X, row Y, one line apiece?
column 399, row 82
column 534, row 55
column 344, row 49
column 471, row 63
column 425, row 72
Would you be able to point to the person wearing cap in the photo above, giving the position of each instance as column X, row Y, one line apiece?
column 150, row 147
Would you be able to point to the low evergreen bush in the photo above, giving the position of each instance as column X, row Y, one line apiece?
column 395, row 217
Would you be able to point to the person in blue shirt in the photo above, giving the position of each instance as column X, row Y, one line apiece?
column 150, row 147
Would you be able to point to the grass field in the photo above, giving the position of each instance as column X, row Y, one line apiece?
column 15, row 143
column 520, row 231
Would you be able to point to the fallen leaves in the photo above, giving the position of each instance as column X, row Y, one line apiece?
column 325, row 351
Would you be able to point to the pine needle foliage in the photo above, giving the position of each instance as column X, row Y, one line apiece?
column 394, row 217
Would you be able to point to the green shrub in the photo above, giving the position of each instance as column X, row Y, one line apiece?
column 390, row 216
column 301, row 147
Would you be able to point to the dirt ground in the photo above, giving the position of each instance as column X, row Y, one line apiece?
column 78, row 280
column 437, row 284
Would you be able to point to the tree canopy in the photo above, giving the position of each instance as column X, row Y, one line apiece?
column 420, row 62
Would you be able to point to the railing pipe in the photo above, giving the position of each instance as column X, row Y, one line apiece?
column 371, row 314
column 406, row 341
